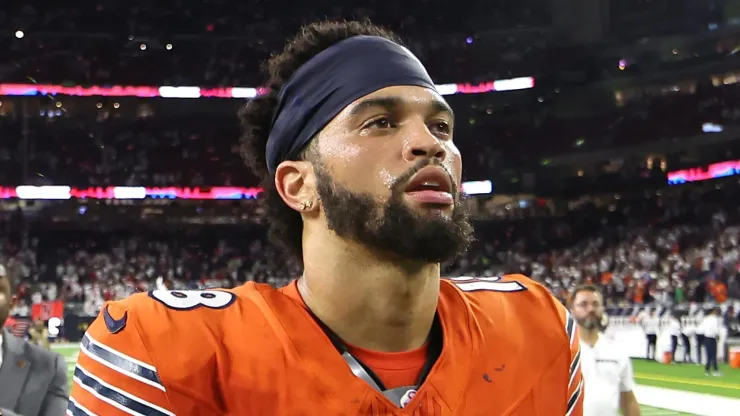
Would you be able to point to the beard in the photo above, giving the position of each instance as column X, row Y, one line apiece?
column 590, row 322
column 392, row 225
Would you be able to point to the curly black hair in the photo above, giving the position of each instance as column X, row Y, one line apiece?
column 285, row 224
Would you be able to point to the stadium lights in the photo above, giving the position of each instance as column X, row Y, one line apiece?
column 703, row 173
column 171, row 192
column 500, row 85
column 168, row 47
column 19, row 34
column 142, row 46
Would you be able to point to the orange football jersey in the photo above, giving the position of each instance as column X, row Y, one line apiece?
column 509, row 348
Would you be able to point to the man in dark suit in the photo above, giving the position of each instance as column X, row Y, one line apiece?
column 33, row 381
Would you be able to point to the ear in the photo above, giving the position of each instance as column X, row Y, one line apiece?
column 295, row 181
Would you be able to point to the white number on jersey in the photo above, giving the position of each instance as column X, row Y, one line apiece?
column 186, row 300
column 474, row 284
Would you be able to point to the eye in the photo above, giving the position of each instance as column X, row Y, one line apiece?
column 379, row 123
column 441, row 127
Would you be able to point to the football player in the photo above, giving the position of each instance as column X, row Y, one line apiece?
column 362, row 185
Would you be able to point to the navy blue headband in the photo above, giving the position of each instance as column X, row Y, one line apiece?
column 330, row 81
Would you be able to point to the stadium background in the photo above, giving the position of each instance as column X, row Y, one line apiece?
column 600, row 139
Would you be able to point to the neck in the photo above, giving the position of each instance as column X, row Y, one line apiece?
column 367, row 298
column 589, row 336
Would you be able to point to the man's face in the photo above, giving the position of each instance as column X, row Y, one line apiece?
column 369, row 157
column 5, row 300
column 588, row 309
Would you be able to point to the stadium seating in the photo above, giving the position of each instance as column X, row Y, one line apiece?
column 645, row 246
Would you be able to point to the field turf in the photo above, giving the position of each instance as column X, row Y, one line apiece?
column 687, row 377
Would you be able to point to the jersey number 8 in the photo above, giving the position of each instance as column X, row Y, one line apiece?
column 493, row 284
column 191, row 299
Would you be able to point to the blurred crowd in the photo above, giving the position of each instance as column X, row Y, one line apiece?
column 230, row 19
column 664, row 115
column 670, row 246
column 215, row 42
column 666, row 247
column 151, row 150
column 221, row 43
column 154, row 152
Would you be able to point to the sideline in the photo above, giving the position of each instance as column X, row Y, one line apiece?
column 684, row 401
column 683, row 380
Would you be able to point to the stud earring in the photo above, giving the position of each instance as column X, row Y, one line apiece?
column 307, row 204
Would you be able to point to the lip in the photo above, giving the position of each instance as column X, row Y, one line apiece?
column 431, row 174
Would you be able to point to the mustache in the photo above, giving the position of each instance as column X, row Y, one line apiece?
column 399, row 185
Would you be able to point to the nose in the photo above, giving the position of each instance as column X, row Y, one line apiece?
column 421, row 143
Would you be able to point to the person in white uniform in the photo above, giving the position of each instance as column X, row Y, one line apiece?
column 711, row 326
column 687, row 333
column 650, row 324
column 699, row 334
column 674, row 330
column 607, row 370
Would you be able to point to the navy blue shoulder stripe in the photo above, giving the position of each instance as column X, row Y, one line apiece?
column 115, row 396
column 120, row 362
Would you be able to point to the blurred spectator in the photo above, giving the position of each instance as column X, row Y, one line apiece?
column 33, row 379
column 38, row 334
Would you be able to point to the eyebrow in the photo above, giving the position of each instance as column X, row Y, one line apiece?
column 393, row 103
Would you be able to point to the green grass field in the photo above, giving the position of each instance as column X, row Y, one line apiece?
column 654, row 411
column 684, row 377
column 688, row 377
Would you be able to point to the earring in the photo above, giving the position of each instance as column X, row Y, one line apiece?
column 307, row 204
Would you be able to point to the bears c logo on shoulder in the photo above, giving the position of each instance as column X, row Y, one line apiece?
column 114, row 325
